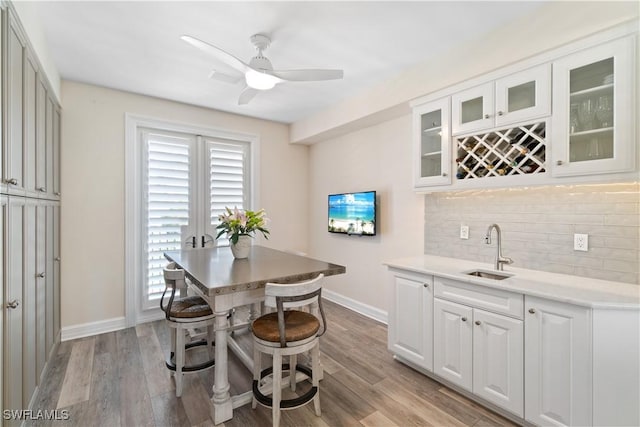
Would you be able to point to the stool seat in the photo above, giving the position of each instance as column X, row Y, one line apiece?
column 186, row 316
column 298, row 326
column 189, row 307
column 288, row 332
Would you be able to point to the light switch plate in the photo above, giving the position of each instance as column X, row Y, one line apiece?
column 464, row 232
column 581, row 242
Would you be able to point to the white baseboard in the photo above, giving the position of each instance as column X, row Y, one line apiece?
column 358, row 307
column 118, row 323
column 92, row 328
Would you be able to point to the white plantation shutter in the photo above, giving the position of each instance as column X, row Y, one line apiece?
column 228, row 179
column 168, row 204
column 188, row 180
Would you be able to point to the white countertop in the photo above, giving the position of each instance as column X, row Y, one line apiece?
column 560, row 287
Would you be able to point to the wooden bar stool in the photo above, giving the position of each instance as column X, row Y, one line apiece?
column 288, row 332
column 184, row 315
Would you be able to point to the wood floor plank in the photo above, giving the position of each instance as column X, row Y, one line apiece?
column 135, row 402
column 363, row 384
column 77, row 380
column 104, row 408
column 425, row 409
column 168, row 411
column 377, row 420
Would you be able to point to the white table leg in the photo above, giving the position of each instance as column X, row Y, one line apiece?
column 221, row 406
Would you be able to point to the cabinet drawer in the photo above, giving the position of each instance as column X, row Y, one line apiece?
column 495, row 300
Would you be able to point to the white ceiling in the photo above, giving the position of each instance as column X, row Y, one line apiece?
column 135, row 46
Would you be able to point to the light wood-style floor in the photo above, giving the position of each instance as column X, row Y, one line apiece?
column 119, row 379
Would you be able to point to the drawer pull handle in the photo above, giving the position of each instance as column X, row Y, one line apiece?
column 532, row 310
column 464, row 319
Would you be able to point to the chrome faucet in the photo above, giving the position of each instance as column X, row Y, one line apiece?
column 500, row 260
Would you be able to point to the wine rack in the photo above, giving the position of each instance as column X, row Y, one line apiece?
column 519, row 150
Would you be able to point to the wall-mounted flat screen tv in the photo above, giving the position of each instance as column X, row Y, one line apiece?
column 353, row 213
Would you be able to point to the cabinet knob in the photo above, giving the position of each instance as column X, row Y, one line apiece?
column 444, row 174
column 559, row 162
column 464, row 319
column 500, row 113
column 13, row 304
column 11, row 181
column 486, row 116
column 42, row 189
column 40, row 275
column 478, row 322
column 426, row 285
column 57, row 193
column 57, row 259
column 532, row 310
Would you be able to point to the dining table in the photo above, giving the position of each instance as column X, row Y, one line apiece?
column 227, row 283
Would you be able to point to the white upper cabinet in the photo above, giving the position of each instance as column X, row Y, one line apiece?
column 523, row 96
column 515, row 98
column 432, row 150
column 594, row 110
column 472, row 109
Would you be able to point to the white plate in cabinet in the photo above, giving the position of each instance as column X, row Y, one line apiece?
column 594, row 110
column 515, row 98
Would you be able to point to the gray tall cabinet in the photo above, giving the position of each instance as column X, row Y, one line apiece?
column 29, row 218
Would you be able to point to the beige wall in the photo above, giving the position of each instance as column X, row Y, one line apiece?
column 376, row 158
column 93, row 183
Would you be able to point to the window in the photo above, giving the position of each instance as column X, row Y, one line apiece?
column 179, row 180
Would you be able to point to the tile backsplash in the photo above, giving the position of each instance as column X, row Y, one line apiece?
column 538, row 224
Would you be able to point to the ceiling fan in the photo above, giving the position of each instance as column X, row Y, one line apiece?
column 258, row 73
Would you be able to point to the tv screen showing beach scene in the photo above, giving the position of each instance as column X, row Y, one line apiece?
column 353, row 213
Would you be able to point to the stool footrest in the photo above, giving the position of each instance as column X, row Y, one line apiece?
column 169, row 362
column 285, row 403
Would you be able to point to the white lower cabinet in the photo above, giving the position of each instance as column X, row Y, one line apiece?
column 498, row 371
column 542, row 361
column 558, row 366
column 411, row 318
column 452, row 355
column 481, row 352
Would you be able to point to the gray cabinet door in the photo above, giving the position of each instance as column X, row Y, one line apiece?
column 30, row 79
column 29, row 281
column 14, row 146
column 41, row 297
column 12, row 381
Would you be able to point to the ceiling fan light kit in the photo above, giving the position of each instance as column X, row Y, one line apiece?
column 259, row 74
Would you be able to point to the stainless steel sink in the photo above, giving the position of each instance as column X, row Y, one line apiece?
column 493, row 275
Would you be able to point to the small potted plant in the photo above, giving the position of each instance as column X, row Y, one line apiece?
column 239, row 226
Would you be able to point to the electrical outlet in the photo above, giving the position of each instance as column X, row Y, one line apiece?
column 464, row 232
column 581, row 242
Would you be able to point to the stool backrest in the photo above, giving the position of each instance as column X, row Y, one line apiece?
column 173, row 279
column 294, row 295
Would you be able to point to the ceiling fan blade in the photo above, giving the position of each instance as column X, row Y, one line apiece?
column 223, row 56
column 308, row 75
column 247, row 95
column 217, row 75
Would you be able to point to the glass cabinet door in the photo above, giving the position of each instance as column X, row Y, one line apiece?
column 594, row 106
column 431, row 144
column 472, row 109
column 524, row 95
